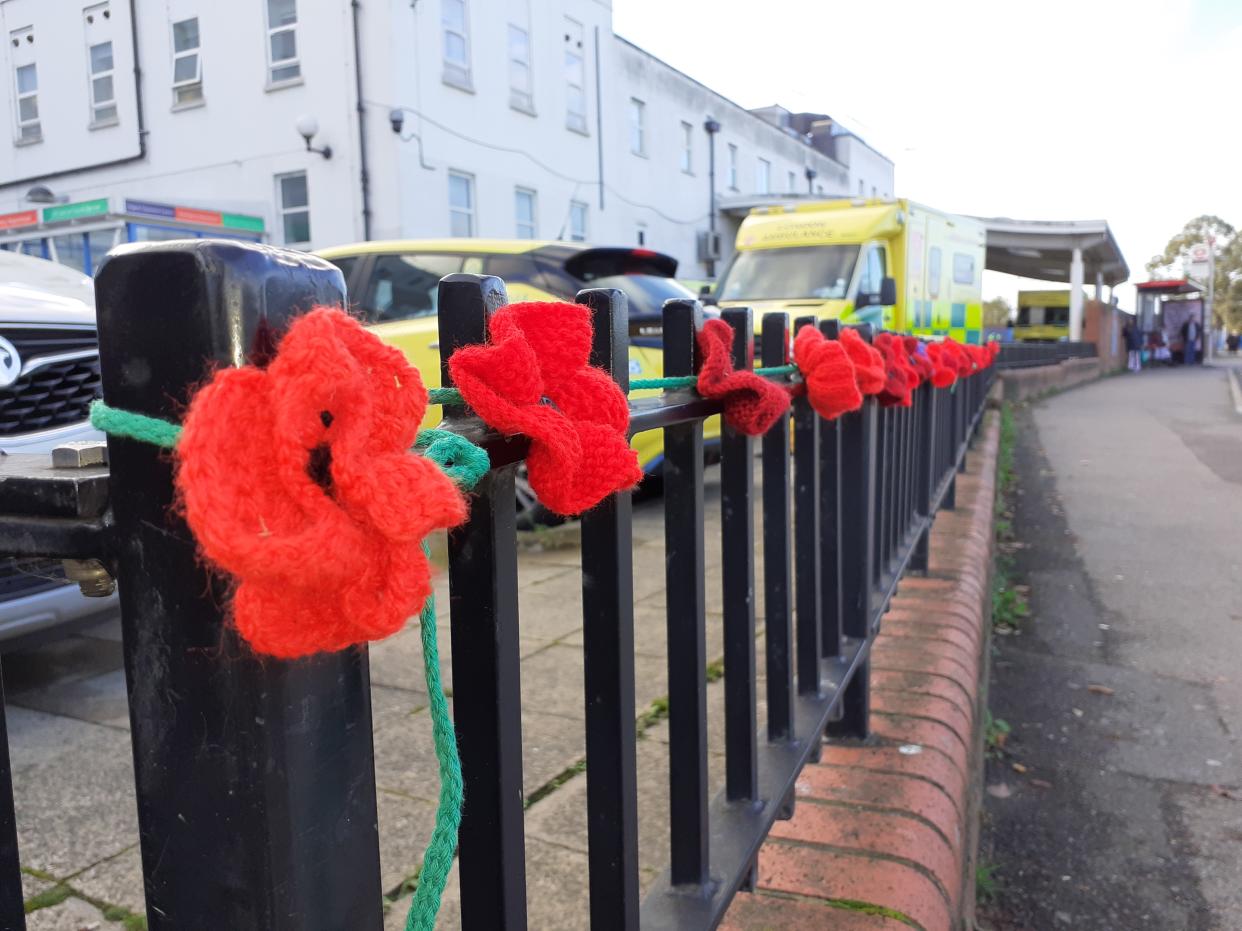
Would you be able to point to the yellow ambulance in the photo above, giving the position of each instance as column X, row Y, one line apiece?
column 893, row 263
column 1043, row 316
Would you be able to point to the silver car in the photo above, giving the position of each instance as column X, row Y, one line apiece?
column 49, row 374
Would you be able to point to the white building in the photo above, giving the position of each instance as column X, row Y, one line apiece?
column 131, row 119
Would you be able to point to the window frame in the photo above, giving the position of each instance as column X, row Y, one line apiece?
column 521, row 99
column 273, row 65
column 187, row 84
column 578, row 234
column 574, row 60
column 532, row 227
column 22, row 125
column 456, row 74
column 687, row 151
column 732, row 167
column 283, row 210
column 469, row 211
column 793, row 182
column 109, row 73
column 763, row 176
column 638, row 127
column 958, row 258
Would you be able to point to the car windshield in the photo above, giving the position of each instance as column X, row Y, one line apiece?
column 646, row 293
column 821, row 272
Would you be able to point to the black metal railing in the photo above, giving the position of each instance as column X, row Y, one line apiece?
column 255, row 778
column 1029, row 355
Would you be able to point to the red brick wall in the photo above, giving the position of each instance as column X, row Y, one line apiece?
column 1101, row 324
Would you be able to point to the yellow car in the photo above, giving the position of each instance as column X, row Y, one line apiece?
column 394, row 284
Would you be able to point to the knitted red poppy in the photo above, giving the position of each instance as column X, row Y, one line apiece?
column 944, row 368
column 916, row 351
column 297, row 480
column 868, row 363
column 831, row 383
column 961, row 359
column 540, row 350
column 900, row 377
column 751, row 402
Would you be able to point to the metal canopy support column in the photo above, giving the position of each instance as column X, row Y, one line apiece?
column 1076, row 286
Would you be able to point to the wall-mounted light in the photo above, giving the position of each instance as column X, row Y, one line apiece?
column 308, row 127
column 42, row 194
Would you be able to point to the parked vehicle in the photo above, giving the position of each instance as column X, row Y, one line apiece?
column 892, row 263
column 1043, row 316
column 394, row 284
column 49, row 374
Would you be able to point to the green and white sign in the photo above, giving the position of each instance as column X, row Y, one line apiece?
column 76, row 211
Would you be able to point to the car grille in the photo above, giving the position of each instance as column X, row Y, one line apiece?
column 20, row 577
column 54, row 394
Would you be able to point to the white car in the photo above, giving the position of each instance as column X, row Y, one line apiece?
column 49, row 374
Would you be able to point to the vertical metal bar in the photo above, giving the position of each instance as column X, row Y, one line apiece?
column 608, row 659
column 255, row 776
column 737, row 528
column 484, row 615
column 777, row 564
column 807, row 560
column 12, row 912
column 924, row 468
column 879, row 543
column 830, row 522
column 687, row 647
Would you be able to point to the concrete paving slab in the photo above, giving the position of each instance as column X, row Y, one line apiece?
column 32, row 885
column 73, row 787
column 116, row 881
column 70, row 915
column 96, row 699
column 404, row 828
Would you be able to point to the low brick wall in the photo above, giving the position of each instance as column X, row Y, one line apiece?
column 884, row 832
column 1020, row 384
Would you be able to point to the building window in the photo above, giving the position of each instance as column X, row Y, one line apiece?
column 461, row 204
column 873, row 192
column 103, row 93
column 763, row 177
column 963, row 268
column 187, row 64
column 687, row 148
column 793, row 183
column 732, row 167
column 28, row 126
column 638, row 116
column 642, row 236
column 577, row 221
column 861, row 190
column 520, row 94
column 294, row 203
column 575, row 77
column 453, row 20
column 283, row 66
column 524, row 209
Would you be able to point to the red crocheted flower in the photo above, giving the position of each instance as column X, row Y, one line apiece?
column 901, row 379
column 751, row 402
column 916, row 351
column 831, row 382
column 944, row 367
column 961, row 359
column 297, row 479
column 578, row 449
column 868, row 363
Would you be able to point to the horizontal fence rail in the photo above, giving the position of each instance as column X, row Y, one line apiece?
column 255, row 779
column 1028, row 355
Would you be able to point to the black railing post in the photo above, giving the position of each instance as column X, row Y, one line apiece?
column 830, row 522
column 924, row 470
column 859, row 473
column 687, row 646
column 484, row 617
column 808, row 563
column 737, row 528
column 255, row 776
column 608, row 661
column 12, row 911
column 777, row 560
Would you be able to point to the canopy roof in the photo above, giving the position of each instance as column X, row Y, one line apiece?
column 1044, row 248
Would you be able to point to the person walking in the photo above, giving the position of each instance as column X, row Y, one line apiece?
column 1134, row 346
column 1190, row 342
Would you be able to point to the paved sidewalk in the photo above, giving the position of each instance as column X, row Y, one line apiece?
column 1123, row 689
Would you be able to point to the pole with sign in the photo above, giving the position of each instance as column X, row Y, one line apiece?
column 1201, row 268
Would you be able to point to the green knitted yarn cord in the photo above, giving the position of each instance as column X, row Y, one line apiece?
column 464, row 463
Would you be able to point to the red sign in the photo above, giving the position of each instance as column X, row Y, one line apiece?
column 190, row 215
column 12, row 221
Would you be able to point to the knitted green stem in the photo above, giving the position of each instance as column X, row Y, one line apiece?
column 134, row 426
column 438, row 857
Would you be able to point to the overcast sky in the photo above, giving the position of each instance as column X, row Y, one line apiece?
column 1126, row 110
